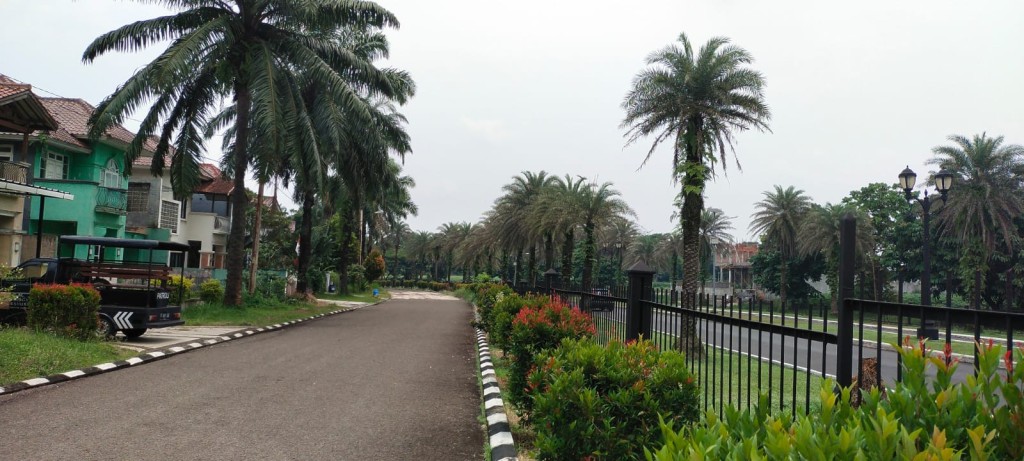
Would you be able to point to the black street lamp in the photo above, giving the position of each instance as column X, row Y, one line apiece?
column 943, row 181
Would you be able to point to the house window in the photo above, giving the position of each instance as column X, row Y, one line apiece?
column 6, row 153
column 176, row 259
column 210, row 203
column 112, row 176
column 55, row 166
column 184, row 209
column 169, row 216
column 138, row 196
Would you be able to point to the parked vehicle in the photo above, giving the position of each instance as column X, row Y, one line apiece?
column 134, row 293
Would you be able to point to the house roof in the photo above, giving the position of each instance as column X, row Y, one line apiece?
column 213, row 181
column 20, row 109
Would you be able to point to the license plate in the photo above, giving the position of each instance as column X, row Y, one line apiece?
column 165, row 316
column 163, row 295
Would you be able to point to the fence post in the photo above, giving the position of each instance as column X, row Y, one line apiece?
column 638, row 317
column 844, row 346
column 551, row 279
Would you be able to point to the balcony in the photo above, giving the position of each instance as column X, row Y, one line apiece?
column 14, row 172
column 112, row 201
column 222, row 225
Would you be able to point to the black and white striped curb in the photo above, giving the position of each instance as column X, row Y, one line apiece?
column 498, row 428
column 156, row 355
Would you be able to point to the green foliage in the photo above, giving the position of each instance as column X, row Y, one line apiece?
column 765, row 267
column 535, row 330
column 270, row 286
column 485, row 296
column 505, row 311
column 922, row 418
column 482, row 278
column 177, row 291
column 357, row 277
column 65, row 310
column 211, row 291
column 603, row 403
column 374, row 265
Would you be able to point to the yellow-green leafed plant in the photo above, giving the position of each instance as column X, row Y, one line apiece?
column 923, row 418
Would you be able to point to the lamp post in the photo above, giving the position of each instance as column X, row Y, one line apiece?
column 943, row 181
column 618, row 270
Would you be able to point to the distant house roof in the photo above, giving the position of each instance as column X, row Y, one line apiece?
column 212, row 181
column 73, row 115
column 20, row 109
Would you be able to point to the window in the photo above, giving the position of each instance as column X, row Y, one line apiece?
column 112, row 176
column 138, row 196
column 210, row 203
column 6, row 153
column 184, row 208
column 54, row 166
column 169, row 216
column 176, row 260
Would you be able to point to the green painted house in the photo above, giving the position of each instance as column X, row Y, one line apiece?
column 92, row 171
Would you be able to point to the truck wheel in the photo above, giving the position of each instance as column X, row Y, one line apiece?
column 106, row 327
column 134, row 333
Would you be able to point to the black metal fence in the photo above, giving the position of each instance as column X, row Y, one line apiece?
column 742, row 348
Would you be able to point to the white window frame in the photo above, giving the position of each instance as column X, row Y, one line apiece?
column 6, row 153
column 47, row 172
column 111, row 175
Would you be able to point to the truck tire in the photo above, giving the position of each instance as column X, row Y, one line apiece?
column 106, row 327
column 134, row 333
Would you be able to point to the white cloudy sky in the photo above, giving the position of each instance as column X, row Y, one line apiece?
column 858, row 90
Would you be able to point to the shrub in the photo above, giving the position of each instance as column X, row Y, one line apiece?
column 67, row 310
column 374, row 265
column 357, row 277
column 535, row 330
column 271, row 286
column 596, row 402
column 505, row 311
column 174, row 286
column 211, row 291
column 486, row 295
column 922, row 418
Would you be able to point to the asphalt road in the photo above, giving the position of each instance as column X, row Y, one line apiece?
column 395, row 381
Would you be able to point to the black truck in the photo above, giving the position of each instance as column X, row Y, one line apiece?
column 133, row 286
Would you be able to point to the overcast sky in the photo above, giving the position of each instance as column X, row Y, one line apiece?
column 858, row 91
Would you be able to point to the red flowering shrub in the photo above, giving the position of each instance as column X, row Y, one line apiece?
column 66, row 310
column 596, row 402
column 536, row 329
column 504, row 312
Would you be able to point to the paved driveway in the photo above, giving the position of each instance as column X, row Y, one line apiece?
column 395, row 381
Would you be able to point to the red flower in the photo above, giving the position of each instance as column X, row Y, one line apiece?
column 1008, row 361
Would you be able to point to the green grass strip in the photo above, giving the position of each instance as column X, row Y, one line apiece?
column 28, row 354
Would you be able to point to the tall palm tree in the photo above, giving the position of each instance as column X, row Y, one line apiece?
column 819, row 233
column 236, row 49
column 513, row 213
column 557, row 209
column 986, row 198
column 595, row 206
column 778, row 219
column 714, row 231
column 669, row 249
column 698, row 101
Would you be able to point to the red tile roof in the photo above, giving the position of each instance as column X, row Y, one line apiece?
column 22, row 108
column 212, row 181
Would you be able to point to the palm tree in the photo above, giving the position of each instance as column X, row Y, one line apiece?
column 669, row 250
column 986, row 198
column 778, row 219
column 819, row 233
column 714, row 231
column 556, row 209
column 513, row 213
column 698, row 100
column 237, row 49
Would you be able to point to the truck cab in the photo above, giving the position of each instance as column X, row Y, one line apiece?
column 134, row 292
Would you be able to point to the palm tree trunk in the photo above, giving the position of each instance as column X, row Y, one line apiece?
column 549, row 250
column 693, row 205
column 398, row 242
column 532, row 266
column 588, row 257
column 345, row 252
column 305, row 245
column 567, row 249
column 783, row 280
column 254, row 265
column 236, row 237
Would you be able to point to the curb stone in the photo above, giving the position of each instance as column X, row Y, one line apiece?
column 498, row 429
column 159, row 354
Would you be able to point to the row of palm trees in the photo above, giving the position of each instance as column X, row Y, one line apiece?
column 296, row 88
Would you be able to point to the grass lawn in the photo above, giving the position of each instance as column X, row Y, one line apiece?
column 28, row 354
column 266, row 312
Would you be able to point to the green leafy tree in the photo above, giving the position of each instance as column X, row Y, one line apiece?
column 896, row 235
column 232, row 49
column 819, row 233
column 374, row 265
column 983, row 203
column 766, row 269
column 778, row 218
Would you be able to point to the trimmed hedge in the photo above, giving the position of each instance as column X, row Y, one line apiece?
column 66, row 310
column 603, row 403
column 211, row 291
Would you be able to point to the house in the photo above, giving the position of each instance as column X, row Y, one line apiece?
column 201, row 221
column 732, row 264
column 22, row 113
